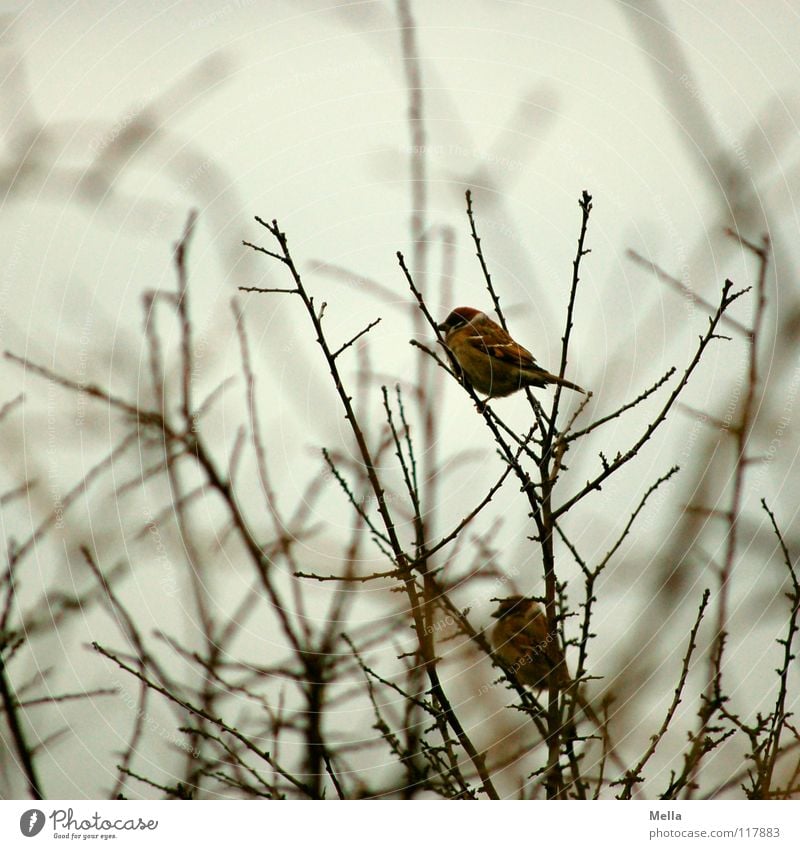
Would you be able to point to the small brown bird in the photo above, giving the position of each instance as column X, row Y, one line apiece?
column 521, row 640
column 492, row 361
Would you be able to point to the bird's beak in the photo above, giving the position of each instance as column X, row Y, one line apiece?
column 497, row 614
column 442, row 328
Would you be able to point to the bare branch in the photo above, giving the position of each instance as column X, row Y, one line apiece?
column 727, row 298
column 355, row 338
column 634, row 775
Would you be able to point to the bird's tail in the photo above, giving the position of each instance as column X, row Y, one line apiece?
column 543, row 378
column 567, row 384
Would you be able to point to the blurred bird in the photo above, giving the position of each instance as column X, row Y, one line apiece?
column 520, row 639
column 492, row 361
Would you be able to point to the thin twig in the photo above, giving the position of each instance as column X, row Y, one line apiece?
column 726, row 299
column 355, row 338
column 624, row 408
column 634, row 775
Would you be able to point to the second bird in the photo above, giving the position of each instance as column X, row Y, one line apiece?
column 521, row 640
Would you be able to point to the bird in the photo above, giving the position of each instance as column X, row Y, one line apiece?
column 493, row 363
column 521, row 640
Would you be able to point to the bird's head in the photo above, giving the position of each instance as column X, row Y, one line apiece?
column 459, row 317
column 514, row 604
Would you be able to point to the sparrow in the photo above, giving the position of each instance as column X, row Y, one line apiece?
column 520, row 640
column 490, row 359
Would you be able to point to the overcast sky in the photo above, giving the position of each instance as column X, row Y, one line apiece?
column 679, row 118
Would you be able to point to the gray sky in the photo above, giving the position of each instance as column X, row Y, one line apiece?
column 119, row 118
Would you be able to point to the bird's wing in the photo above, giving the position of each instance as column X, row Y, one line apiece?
column 527, row 643
column 501, row 346
column 537, row 646
column 532, row 636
